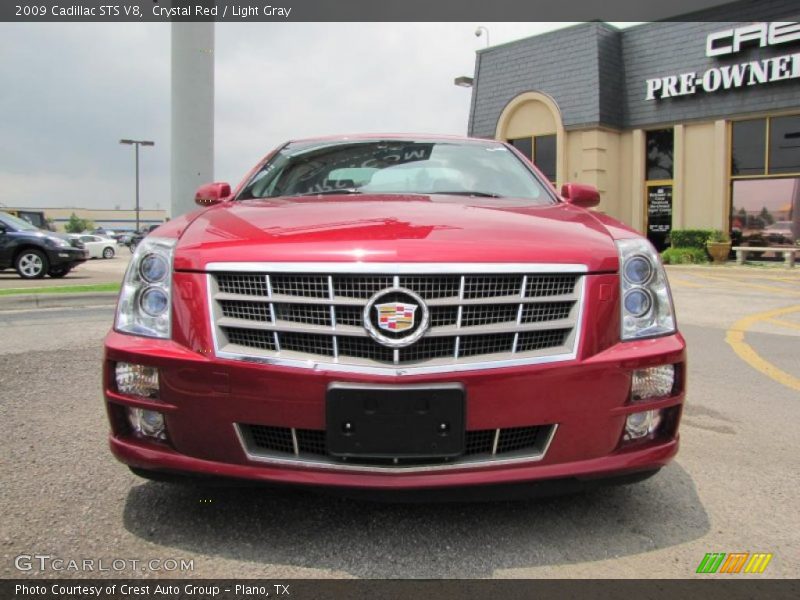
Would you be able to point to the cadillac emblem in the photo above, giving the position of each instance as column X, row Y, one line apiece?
column 396, row 317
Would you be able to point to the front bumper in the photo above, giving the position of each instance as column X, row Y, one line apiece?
column 205, row 398
column 67, row 256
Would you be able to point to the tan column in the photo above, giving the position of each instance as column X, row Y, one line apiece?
column 719, row 176
column 593, row 161
column 637, row 180
column 678, row 177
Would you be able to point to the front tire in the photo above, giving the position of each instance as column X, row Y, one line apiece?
column 59, row 271
column 108, row 252
column 31, row 264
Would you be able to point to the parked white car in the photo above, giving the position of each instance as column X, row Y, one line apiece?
column 98, row 247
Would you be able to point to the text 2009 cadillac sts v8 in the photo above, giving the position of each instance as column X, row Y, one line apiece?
column 395, row 313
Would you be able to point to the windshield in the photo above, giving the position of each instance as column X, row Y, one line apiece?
column 397, row 167
column 16, row 223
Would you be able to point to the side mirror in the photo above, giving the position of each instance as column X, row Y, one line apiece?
column 581, row 195
column 212, row 193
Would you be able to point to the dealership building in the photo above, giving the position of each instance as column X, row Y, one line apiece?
column 690, row 123
column 109, row 219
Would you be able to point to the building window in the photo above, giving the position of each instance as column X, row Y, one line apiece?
column 524, row 145
column 541, row 150
column 765, row 212
column 660, row 144
column 748, row 147
column 765, row 182
column 658, row 202
column 769, row 146
column 544, row 155
column 784, row 145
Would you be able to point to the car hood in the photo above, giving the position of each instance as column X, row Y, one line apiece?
column 391, row 229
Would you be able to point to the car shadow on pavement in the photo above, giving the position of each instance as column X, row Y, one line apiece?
column 436, row 540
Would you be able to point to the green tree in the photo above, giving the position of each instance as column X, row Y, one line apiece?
column 78, row 225
column 766, row 216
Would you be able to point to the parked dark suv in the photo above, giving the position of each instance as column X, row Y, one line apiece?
column 35, row 253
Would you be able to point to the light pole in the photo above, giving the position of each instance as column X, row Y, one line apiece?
column 480, row 31
column 137, row 143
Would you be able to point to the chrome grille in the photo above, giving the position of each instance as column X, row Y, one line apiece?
column 252, row 338
column 360, row 287
column 303, row 313
column 241, row 309
column 548, row 311
column 488, row 314
column 244, row 285
column 305, row 286
column 492, row 287
column 549, row 285
column 307, row 343
column 495, row 343
column 427, row 349
column 478, row 319
column 349, row 315
column 432, row 287
column 362, row 347
column 535, row 340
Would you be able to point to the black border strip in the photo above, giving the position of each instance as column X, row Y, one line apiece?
column 382, row 11
column 727, row 587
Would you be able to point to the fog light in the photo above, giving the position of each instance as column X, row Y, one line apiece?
column 149, row 423
column 640, row 424
column 654, row 382
column 137, row 380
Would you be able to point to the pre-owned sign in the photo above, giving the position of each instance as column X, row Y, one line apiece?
column 744, row 74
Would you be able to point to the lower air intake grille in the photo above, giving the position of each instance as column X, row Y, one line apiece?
column 480, row 445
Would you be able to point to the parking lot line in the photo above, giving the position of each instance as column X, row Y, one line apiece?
column 755, row 286
column 735, row 338
column 748, row 276
column 682, row 282
column 784, row 323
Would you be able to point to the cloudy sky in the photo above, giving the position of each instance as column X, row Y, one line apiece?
column 71, row 91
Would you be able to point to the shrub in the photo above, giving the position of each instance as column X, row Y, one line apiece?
column 718, row 236
column 684, row 256
column 77, row 225
column 690, row 238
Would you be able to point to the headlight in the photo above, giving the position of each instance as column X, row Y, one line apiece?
column 153, row 268
column 144, row 301
column 645, row 297
column 57, row 242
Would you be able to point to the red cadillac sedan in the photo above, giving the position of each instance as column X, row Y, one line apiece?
column 395, row 313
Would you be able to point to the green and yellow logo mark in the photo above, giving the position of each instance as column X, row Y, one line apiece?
column 735, row 562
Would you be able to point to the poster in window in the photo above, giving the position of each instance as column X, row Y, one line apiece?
column 659, row 215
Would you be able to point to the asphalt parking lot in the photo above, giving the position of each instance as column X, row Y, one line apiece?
column 733, row 487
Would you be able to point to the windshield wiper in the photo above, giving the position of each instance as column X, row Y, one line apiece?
column 335, row 191
column 469, row 193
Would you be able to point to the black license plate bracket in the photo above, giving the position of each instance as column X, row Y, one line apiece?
column 387, row 422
